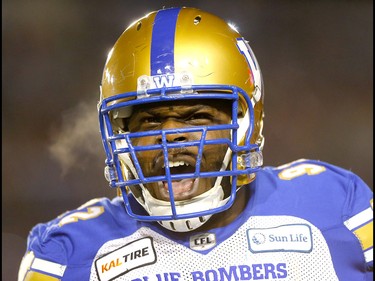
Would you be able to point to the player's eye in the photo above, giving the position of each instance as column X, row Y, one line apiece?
column 200, row 116
column 150, row 119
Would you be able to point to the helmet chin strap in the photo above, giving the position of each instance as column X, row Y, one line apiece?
column 210, row 199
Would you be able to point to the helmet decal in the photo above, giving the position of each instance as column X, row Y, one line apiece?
column 245, row 49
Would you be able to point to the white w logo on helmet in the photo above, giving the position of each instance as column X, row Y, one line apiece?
column 163, row 80
column 145, row 82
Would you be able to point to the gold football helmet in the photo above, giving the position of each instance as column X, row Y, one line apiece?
column 171, row 55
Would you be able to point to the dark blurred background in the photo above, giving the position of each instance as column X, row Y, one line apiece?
column 317, row 63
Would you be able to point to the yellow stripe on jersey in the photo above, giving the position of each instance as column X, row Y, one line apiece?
column 365, row 235
column 36, row 276
column 362, row 227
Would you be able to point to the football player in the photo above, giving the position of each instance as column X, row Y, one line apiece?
column 181, row 119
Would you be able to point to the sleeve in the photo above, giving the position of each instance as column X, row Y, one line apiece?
column 358, row 218
column 59, row 249
column 45, row 259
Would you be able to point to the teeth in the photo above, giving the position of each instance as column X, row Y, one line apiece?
column 176, row 164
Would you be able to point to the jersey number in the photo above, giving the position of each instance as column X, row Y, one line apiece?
column 92, row 212
column 299, row 170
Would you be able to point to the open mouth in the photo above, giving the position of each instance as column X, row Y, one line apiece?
column 182, row 189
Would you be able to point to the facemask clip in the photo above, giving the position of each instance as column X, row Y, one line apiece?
column 110, row 175
column 252, row 159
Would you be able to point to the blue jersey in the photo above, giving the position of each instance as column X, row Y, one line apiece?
column 307, row 220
